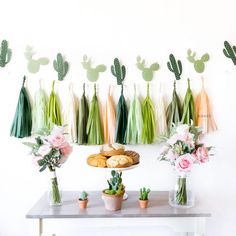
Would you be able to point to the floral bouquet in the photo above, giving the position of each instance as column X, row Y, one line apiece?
column 50, row 152
column 183, row 149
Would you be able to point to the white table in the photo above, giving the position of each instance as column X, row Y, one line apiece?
column 159, row 213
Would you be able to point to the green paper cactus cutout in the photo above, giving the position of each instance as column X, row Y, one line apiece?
column 175, row 66
column 61, row 66
column 118, row 71
column 230, row 51
column 34, row 64
column 199, row 65
column 92, row 73
column 147, row 72
column 5, row 53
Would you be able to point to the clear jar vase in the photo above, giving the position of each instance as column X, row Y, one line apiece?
column 181, row 196
column 54, row 192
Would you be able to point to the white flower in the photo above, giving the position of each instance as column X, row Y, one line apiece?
column 182, row 129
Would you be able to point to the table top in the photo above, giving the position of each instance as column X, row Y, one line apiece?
column 158, row 207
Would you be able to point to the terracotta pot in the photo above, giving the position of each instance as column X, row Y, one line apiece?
column 83, row 203
column 112, row 202
column 143, row 203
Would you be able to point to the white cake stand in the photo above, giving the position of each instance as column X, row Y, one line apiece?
column 118, row 170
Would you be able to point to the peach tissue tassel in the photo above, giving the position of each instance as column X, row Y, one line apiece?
column 204, row 113
column 109, row 119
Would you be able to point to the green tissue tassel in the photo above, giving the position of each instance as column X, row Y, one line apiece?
column 83, row 119
column 121, row 119
column 54, row 113
column 135, row 122
column 188, row 116
column 94, row 129
column 174, row 111
column 39, row 113
column 22, row 123
column 149, row 120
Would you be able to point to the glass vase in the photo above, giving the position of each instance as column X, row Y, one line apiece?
column 181, row 196
column 54, row 192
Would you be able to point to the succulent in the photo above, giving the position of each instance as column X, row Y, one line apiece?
column 92, row 73
column 115, row 184
column 230, row 51
column 118, row 71
column 5, row 54
column 175, row 66
column 83, row 196
column 144, row 193
column 61, row 66
column 199, row 65
column 147, row 72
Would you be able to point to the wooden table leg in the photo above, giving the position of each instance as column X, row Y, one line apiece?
column 40, row 227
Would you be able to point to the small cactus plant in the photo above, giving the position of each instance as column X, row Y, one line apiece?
column 199, row 65
column 61, row 66
column 118, row 71
column 147, row 72
column 92, row 73
column 230, row 51
column 115, row 184
column 83, row 196
column 5, row 54
column 34, row 64
column 144, row 193
column 175, row 66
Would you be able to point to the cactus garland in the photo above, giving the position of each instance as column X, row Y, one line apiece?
column 60, row 66
column 230, row 51
column 92, row 73
column 34, row 64
column 119, row 71
column 175, row 66
column 147, row 72
column 5, row 53
column 199, row 65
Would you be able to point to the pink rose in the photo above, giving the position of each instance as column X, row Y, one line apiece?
column 44, row 150
column 57, row 139
column 66, row 149
column 202, row 155
column 184, row 163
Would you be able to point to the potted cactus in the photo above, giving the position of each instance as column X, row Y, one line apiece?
column 143, row 197
column 113, row 196
column 83, row 200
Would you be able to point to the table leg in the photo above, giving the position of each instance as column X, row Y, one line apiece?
column 40, row 227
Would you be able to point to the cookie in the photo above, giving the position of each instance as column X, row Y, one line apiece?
column 134, row 155
column 112, row 149
column 119, row 161
column 97, row 160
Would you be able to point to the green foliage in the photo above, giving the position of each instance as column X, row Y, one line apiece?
column 174, row 111
column 144, row 193
column 118, row 71
column 147, row 72
column 83, row 196
column 5, row 53
column 175, row 66
column 92, row 73
column 188, row 116
column 199, row 65
column 61, row 66
column 115, row 184
column 230, row 51
column 34, row 64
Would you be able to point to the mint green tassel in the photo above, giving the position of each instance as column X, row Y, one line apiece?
column 135, row 122
column 94, row 129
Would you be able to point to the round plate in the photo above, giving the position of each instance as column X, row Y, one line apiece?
column 117, row 169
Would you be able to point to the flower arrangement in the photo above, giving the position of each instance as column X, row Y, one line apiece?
column 183, row 149
column 51, row 152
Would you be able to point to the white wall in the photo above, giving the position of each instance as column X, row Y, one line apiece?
column 105, row 29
